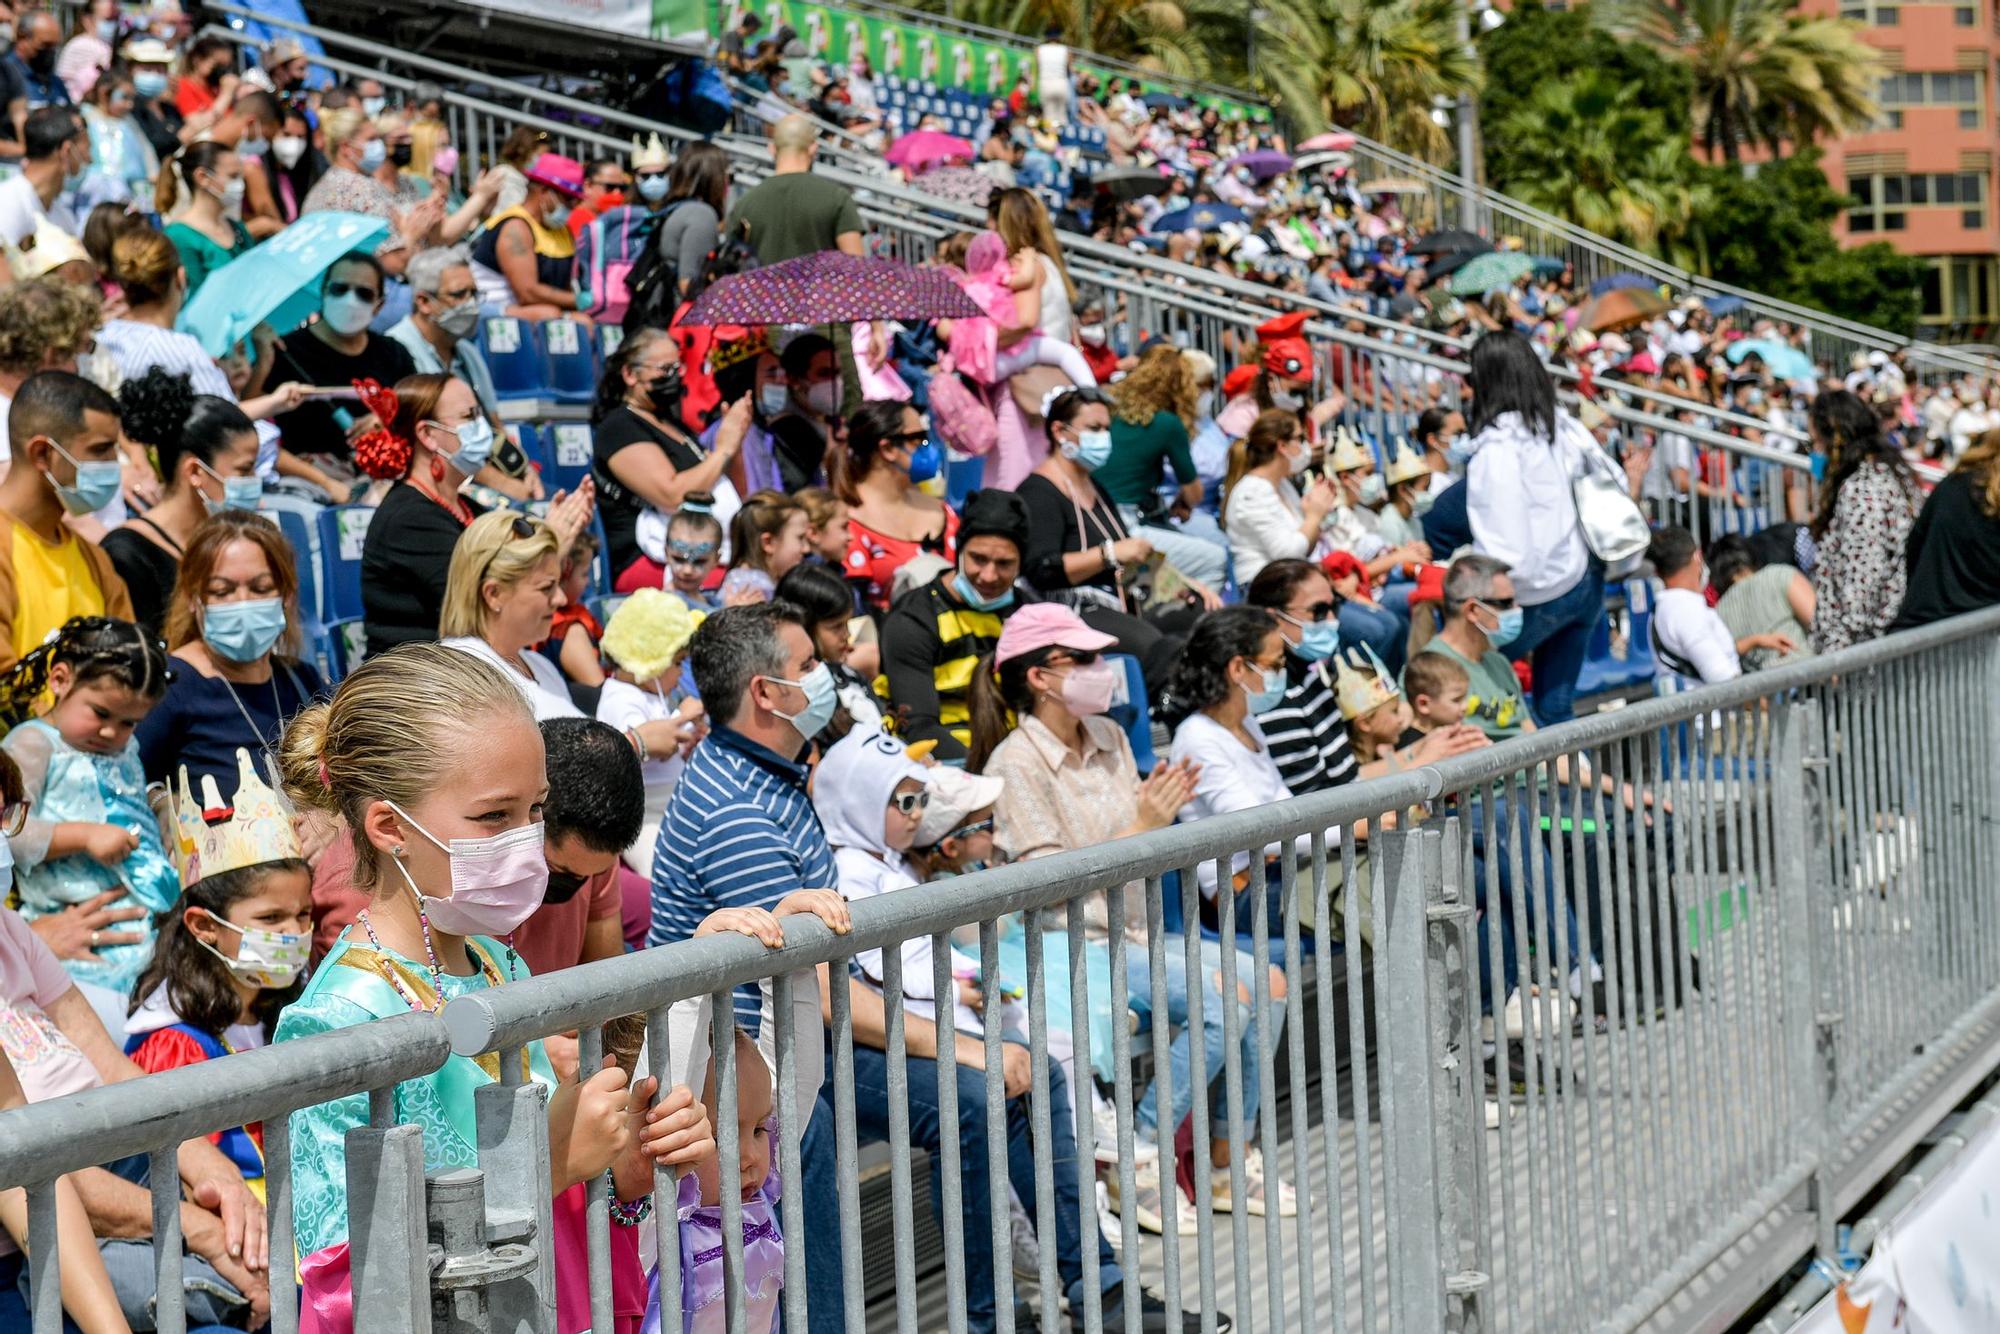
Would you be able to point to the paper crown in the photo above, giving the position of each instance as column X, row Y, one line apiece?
column 1362, row 684
column 1347, row 453
column 652, row 156
column 734, row 343
column 1405, row 464
column 215, row 837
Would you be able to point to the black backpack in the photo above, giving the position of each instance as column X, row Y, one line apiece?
column 655, row 280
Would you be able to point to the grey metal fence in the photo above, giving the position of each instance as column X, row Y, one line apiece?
column 1745, row 932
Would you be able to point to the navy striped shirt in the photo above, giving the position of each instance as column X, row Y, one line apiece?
column 1306, row 734
column 740, row 832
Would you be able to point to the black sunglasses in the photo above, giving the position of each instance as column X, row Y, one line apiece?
column 1316, row 612
column 361, row 290
column 563, row 886
column 1076, row 658
column 910, row 438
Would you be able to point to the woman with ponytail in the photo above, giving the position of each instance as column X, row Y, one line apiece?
column 197, row 188
column 1262, row 509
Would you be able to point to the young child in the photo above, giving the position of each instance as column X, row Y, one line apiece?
column 233, row 952
column 444, row 802
column 1436, row 688
column 758, row 1127
column 574, row 632
column 769, row 533
column 691, row 547
column 826, row 526
column 644, row 647
column 1370, row 702
column 994, row 349
column 90, row 828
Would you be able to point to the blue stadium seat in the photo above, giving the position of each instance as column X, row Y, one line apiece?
column 347, row 644
column 514, row 355
column 609, row 338
column 961, row 478
column 342, row 530
column 530, row 437
column 293, row 525
column 600, row 569
column 1135, row 715
column 571, row 359
column 566, row 455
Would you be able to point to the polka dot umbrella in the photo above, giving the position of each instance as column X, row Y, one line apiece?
column 830, row 287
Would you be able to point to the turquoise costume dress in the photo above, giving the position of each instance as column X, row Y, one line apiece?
column 79, row 787
column 353, row 985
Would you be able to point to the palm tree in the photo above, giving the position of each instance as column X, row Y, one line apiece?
column 1761, row 73
column 1369, row 65
column 1175, row 37
column 1585, row 149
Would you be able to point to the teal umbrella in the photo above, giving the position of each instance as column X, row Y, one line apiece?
column 1784, row 361
column 276, row 282
column 1482, row 273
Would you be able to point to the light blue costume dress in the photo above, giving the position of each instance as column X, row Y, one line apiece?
column 78, row 787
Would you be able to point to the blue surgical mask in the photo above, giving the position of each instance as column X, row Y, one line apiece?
column 1092, row 449
column 1458, row 451
column 653, row 189
column 1509, row 628
column 821, row 697
column 475, row 444
column 925, row 462
column 971, row 598
column 149, row 84
column 238, row 493
column 1818, row 461
column 1317, row 639
column 249, row 147
column 373, row 156
column 556, row 217
column 373, row 107
column 243, row 631
column 1263, row 701
column 773, row 397
column 96, row 483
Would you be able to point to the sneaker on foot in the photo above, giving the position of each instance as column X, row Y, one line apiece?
column 1026, row 1247
column 1105, row 1119
column 1149, row 1204
column 1256, row 1190
column 1153, row 1315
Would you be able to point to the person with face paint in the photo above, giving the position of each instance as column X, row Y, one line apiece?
column 232, row 952
column 446, row 804
column 123, row 166
column 525, row 260
column 645, row 459
column 879, row 475
column 63, row 433
column 206, row 452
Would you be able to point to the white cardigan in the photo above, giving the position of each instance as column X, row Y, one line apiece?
column 1264, row 523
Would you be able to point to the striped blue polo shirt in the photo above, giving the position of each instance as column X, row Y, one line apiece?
column 739, row 832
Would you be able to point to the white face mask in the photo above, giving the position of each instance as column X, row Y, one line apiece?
column 1299, row 459
column 288, row 149
column 1286, row 400
column 823, row 397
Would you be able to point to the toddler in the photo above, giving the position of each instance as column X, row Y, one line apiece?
column 826, row 525
column 574, row 632
column 644, row 647
column 1370, row 702
column 691, row 550
column 1436, row 688
column 1005, row 343
column 90, row 828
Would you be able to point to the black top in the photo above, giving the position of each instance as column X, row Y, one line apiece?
column 618, row 506
column 1953, row 554
column 320, row 426
column 798, row 447
column 1448, row 526
column 148, row 570
column 200, row 722
column 161, row 124
column 1053, row 533
column 403, row 567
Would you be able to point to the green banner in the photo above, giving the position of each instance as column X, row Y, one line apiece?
column 913, row 51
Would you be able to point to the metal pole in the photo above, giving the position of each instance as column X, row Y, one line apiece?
column 1468, row 129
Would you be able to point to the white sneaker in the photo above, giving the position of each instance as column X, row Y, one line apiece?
column 1027, row 1250
column 1517, row 1016
column 1256, row 1190
column 1149, row 1202
column 1492, row 1114
column 1105, row 1120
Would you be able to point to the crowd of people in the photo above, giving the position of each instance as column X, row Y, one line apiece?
column 819, row 675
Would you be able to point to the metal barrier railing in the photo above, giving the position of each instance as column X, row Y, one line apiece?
column 1452, row 204
column 1778, row 882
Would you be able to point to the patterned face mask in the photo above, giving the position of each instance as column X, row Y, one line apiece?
column 272, row 960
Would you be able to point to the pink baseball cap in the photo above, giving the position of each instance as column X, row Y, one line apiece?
column 558, row 173
column 1047, row 625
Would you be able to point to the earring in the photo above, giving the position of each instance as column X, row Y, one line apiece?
column 396, row 851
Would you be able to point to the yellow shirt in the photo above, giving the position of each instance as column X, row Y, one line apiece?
column 52, row 582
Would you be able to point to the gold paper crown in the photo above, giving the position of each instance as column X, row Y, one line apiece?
column 742, row 345
column 652, row 156
column 1405, row 464
column 215, row 837
column 1362, row 686
column 1347, row 453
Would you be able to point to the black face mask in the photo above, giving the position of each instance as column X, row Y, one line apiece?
column 665, row 393
column 400, row 154
column 563, row 886
column 43, row 61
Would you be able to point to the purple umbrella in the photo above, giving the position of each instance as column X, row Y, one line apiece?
column 1264, row 163
column 830, row 287
column 960, row 184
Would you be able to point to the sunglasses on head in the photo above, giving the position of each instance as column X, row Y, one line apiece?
column 362, row 290
column 910, row 803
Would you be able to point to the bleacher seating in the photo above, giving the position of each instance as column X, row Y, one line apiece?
column 342, row 530
column 570, row 359
column 513, row 353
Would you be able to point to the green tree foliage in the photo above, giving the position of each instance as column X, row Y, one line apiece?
column 1372, row 66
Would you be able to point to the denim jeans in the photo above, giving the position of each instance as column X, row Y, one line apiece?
column 1556, row 636
column 1512, row 828
column 1214, row 1037
column 927, row 1130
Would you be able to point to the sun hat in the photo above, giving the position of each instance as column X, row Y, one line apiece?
column 564, row 174
column 955, row 797
column 1042, row 625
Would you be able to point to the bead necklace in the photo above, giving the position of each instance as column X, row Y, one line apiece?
column 430, row 952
